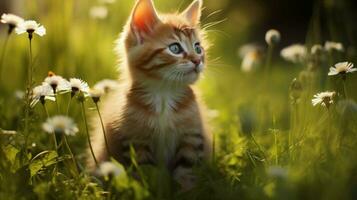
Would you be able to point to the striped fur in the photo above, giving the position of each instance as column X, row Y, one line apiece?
column 156, row 110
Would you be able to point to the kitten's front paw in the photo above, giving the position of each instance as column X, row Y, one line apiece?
column 185, row 178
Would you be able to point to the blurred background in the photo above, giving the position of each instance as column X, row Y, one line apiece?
column 242, row 104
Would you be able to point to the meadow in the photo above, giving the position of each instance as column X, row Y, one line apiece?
column 271, row 139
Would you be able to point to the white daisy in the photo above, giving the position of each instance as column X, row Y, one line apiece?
column 60, row 124
column 272, row 37
column 330, row 46
column 96, row 94
column 323, row 98
column 42, row 93
column 31, row 26
column 12, row 20
column 342, row 68
column 98, row 12
column 78, row 85
column 106, row 85
column 110, row 169
column 57, row 83
column 294, row 53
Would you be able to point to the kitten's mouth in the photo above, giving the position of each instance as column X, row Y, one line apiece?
column 194, row 70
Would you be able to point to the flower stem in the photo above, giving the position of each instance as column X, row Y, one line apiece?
column 269, row 57
column 103, row 128
column 57, row 105
column 328, row 138
column 54, row 135
column 68, row 106
column 54, row 173
column 3, row 54
column 28, row 95
column 87, row 132
column 70, row 152
column 345, row 88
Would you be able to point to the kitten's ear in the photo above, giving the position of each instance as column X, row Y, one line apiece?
column 193, row 12
column 144, row 17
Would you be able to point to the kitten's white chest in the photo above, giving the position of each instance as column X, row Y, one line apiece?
column 166, row 135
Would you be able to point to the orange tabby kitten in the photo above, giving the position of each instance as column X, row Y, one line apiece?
column 156, row 110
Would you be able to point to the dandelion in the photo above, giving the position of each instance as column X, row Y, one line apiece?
column 342, row 68
column 109, row 169
column 324, row 99
column 57, row 83
column 294, row 53
column 106, row 85
column 12, row 20
column 98, row 12
column 272, row 37
column 333, row 46
column 78, row 85
column 31, row 26
column 41, row 94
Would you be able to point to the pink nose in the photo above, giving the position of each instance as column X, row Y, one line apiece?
column 196, row 61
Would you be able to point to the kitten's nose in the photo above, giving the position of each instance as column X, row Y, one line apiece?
column 197, row 62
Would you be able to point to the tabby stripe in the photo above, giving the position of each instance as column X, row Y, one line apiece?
column 150, row 57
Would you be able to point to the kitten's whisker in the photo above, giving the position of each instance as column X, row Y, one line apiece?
column 211, row 24
column 212, row 14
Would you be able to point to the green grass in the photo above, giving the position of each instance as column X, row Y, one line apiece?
column 266, row 146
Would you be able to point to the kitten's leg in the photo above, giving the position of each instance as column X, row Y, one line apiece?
column 189, row 153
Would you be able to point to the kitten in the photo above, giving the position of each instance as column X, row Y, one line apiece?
column 156, row 110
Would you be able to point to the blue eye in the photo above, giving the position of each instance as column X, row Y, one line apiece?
column 176, row 48
column 198, row 48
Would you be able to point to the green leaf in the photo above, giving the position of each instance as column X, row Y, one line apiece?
column 12, row 154
column 42, row 160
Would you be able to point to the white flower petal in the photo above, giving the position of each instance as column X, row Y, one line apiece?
column 41, row 31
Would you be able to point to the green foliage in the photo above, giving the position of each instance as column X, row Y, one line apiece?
column 269, row 141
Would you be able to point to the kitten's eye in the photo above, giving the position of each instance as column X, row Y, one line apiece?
column 198, row 48
column 176, row 48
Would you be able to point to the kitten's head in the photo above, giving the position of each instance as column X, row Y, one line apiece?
column 168, row 48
